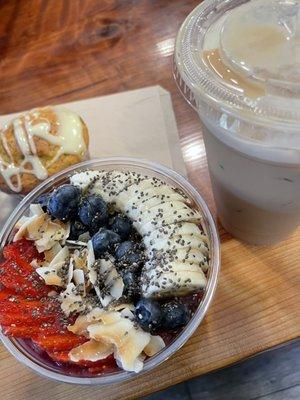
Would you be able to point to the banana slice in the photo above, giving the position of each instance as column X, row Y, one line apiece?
column 172, row 267
column 165, row 215
column 85, row 179
column 91, row 351
column 185, row 255
column 174, row 211
column 166, row 265
column 127, row 313
column 178, row 283
column 135, row 208
column 137, row 190
column 177, row 242
column 111, row 183
column 138, row 193
column 168, row 231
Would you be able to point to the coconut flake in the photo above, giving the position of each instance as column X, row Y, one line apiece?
column 113, row 282
column 90, row 263
column 155, row 345
column 71, row 300
column 36, row 209
column 91, row 351
column 128, row 341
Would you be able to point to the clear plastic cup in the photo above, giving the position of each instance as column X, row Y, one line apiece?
column 23, row 350
column 237, row 62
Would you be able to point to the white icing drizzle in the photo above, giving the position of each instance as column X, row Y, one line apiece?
column 69, row 139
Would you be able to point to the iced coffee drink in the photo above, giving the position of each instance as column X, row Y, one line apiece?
column 238, row 64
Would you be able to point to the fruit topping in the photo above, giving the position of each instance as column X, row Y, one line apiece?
column 104, row 241
column 93, row 212
column 91, row 266
column 17, row 274
column 22, row 250
column 63, row 203
column 148, row 314
column 43, row 201
column 122, row 226
column 127, row 253
column 175, row 315
column 59, row 341
column 76, row 229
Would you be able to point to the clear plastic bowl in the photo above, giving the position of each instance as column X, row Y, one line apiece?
column 25, row 354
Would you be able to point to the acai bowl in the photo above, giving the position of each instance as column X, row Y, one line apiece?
column 116, row 263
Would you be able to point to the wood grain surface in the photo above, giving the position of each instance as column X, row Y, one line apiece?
column 54, row 51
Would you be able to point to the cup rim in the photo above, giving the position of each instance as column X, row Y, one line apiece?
column 197, row 83
column 203, row 306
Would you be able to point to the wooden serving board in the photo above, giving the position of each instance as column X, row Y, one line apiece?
column 60, row 51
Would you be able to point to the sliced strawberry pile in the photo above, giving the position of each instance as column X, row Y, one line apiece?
column 17, row 274
column 26, row 309
column 22, row 249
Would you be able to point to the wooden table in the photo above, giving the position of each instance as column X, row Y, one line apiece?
column 54, row 51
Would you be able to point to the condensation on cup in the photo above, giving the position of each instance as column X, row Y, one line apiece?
column 237, row 62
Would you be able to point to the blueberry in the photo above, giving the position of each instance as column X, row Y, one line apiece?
column 122, row 226
column 123, row 249
column 103, row 241
column 131, row 284
column 63, row 202
column 127, row 253
column 148, row 314
column 93, row 212
column 175, row 315
column 76, row 229
column 43, row 200
column 128, row 279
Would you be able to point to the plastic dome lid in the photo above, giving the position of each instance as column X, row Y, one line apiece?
column 245, row 56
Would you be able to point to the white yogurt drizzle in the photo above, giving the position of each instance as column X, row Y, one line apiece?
column 69, row 139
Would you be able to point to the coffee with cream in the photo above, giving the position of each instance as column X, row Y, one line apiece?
column 238, row 62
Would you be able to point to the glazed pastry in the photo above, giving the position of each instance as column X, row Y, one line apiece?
column 40, row 143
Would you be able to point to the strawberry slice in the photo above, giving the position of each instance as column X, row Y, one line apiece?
column 23, row 331
column 5, row 294
column 12, row 276
column 60, row 341
column 26, row 310
column 59, row 356
column 22, row 249
column 27, row 330
column 17, row 310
